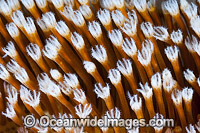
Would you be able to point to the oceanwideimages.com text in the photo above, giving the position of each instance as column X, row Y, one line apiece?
column 46, row 121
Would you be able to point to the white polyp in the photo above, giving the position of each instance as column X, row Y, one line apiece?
column 119, row 3
column 132, row 16
column 130, row 27
column 42, row 25
column 140, row 5
column 30, row 26
column 195, row 24
column 12, row 30
column 69, row 2
column 53, row 41
column 158, row 117
column 5, row 8
column 33, row 99
column 191, row 11
column 194, row 43
column 48, row 86
column 147, row 44
column 71, row 80
column 151, row 4
column 65, row 116
column 10, row 50
column 62, row 28
column 55, row 74
column 18, row 18
column 189, row 76
column 114, row 76
column 77, row 40
column 22, row 75
column 129, row 47
column 68, row 12
column 116, row 37
column 183, row 4
column 4, row 74
column 198, row 81
column 104, row 16
column 134, row 130
column 12, row 94
column 166, row 74
column 49, row 19
column 198, row 126
column 164, row 10
column 172, row 53
column 77, row 18
column 99, row 54
column 95, row 29
column 13, row 66
column 33, row 50
column 104, row 129
column 113, row 113
column 156, row 81
column 187, row 94
column 144, row 56
column 129, row 4
column 147, row 29
column 28, row 3
column 177, row 36
column 135, row 102
column 108, row 4
column 84, row 111
column 40, row 128
column 196, row 46
column 50, row 51
column 14, row 4
column 161, row 33
column 67, row 90
column 190, row 129
column 146, row 91
column 57, row 128
column 86, row 11
column 23, row 90
column 83, row 2
column 102, row 92
column 43, row 82
column 189, row 43
column 118, row 18
column 125, row 66
column 172, row 7
column 58, row 3
column 168, row 84
column 10, row 112
column 90, row 67
column 79, row 95
column 41, row 3
column 177, row 97
column 78, row 129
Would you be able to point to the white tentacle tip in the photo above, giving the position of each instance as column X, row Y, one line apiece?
column 114, row 76
column 101, row 91
column 84, row 111
column 113, row 113
column 187, row 94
